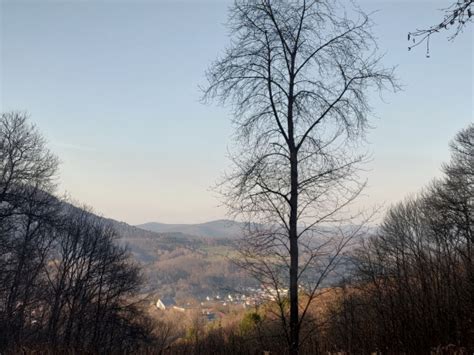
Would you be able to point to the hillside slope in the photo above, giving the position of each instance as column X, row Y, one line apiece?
column 214, row 229
column 182, row 265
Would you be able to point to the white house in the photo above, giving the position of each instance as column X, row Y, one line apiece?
column 165, row 303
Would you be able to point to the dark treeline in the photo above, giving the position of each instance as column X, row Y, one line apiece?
column 64, row 282
column 414, row 283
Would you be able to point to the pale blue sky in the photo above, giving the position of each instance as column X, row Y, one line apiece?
column 113, row 85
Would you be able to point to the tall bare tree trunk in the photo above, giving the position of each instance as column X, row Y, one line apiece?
column 293, row 224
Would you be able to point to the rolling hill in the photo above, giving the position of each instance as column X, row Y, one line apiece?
column 214, row 229
column 183, row 265
column 192, row 260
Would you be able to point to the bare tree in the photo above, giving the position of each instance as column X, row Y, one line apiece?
column 455, row 19
column 298, row 74
column 27, row 215
column 91, row 286
column 64, row 282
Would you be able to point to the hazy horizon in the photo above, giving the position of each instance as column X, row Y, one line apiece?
column 114, row 87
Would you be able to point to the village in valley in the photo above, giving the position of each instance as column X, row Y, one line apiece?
column 215, row 306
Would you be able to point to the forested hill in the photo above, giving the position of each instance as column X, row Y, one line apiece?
column 214, row 229
column 147, row 245
column 193, row 260
column 183, row 265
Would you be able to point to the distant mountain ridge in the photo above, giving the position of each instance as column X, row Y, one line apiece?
column 222, row 228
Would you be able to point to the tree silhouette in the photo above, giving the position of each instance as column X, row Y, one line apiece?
column 297, row 74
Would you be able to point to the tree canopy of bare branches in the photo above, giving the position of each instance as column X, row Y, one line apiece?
column 28, row 213
column 298, row 75
column 414, row 280
column 64, row 282
column 456, row 17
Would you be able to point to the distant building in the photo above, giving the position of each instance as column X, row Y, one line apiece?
column 165, row 303
column 179, row 309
